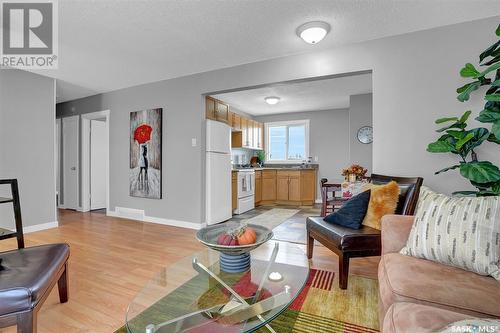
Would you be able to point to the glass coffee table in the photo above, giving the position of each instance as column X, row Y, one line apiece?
column 194, row 295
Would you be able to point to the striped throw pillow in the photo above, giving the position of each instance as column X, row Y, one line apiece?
column 457, row 231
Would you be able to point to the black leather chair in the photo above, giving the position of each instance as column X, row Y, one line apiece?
column 351, row 243
column 26, row 278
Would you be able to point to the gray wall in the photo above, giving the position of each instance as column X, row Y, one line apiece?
column 328, row 139
column 27, row 129
column 360, row 114
column 414, row 80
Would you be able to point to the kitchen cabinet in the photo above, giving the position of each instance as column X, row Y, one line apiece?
column 295, row 187
column 234, row 190
column 258, row 187
column 236, row 124
column 210, row 108
column 259, row 135
column 250, row 126
column 230, row 119
column 268, row 186
column 244, row 131
column 221, row 112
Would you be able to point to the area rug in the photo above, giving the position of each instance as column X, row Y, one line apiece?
column 322, row 307
column 273, row 217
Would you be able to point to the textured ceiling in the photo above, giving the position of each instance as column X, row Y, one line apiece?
column 111, row 44
column 305, row 96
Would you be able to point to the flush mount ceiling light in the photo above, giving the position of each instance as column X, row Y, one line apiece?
column 313, row 32
column 272, row 100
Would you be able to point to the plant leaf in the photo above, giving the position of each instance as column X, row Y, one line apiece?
column 492, row 97
column 465, row 116
column 469, row 71
column 480, row 134
column 498, row 30
column 464, row 140
column 465, row 193
column 496, row 83
column 480, row 172
column 454, row 125
column 440, row 147
column 447, row 169
column 488, row 51
column 465, row 94
column 490, row 114
column 493, row 138
column 492, row 61
column 496, row 187
column 456, row 134
column 495, row 129
column 444, row 120
column 491, row 68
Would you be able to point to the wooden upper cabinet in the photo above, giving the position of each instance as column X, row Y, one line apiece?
column 236, row 124
column 230, row 119
column 244, row 131
column 210, row 108
column 221, row 112
column 261, row 136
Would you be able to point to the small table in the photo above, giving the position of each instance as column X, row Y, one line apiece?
column 194, row 295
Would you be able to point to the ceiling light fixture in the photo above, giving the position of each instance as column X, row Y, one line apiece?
column 313, row 32
column 272, row 100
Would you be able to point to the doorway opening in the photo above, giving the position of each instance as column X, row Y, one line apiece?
column 95, row 161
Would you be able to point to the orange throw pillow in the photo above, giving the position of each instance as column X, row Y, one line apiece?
column 383, row 201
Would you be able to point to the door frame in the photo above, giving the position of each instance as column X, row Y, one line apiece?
column 86, row 118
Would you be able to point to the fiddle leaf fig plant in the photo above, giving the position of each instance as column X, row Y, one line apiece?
column 457, row 139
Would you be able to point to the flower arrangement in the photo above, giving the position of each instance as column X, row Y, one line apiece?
column 356, row 170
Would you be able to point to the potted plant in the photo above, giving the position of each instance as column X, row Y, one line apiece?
column 458, row 139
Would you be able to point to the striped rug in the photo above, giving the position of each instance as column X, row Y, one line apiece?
column 322, row 307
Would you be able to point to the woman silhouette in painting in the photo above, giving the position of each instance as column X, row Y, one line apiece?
column 142, row 135
column 143, row 164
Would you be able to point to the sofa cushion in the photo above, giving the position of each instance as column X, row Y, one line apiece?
column 346, row 239
column 27, row 275
column 410, row 317
column 459, row 231
column 409, row 279
column 351, row 214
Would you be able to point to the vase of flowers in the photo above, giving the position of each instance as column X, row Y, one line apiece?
column 354, row 173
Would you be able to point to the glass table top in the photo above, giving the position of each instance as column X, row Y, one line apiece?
column 194, row 295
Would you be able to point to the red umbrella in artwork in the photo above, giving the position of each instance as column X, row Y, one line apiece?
column 142, row 134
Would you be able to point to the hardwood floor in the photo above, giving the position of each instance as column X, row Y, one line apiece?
column 112, row 259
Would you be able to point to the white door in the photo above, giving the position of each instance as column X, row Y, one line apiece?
column 70, row 162
column 57, row 148
column 98, row 160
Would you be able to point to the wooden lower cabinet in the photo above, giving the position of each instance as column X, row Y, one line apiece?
column 286, row 187
column 268, row 186
column 234, row 190
column 258, row 187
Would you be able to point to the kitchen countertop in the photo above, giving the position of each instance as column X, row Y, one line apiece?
column 280, row 167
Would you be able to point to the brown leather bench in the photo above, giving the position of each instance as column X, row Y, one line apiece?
column 365, row 242
column 26, row 278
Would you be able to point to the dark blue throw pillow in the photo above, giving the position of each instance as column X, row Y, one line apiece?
column 352, row 213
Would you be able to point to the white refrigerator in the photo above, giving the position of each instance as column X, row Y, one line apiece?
column 218, row 172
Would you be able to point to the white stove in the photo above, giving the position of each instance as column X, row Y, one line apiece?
column 246, row 191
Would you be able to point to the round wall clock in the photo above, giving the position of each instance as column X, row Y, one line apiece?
column 365, row 134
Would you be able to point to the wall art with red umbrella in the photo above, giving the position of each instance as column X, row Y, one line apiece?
column 145, row 153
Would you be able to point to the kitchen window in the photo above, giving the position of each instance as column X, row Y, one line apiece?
column 287, row 141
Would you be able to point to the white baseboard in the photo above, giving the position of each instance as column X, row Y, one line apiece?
column 42, row 226
column 139, row 215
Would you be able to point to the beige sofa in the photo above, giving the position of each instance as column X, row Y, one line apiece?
column 418, row 295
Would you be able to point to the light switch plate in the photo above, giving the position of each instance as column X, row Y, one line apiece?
column 315, row 158
column 193, row 142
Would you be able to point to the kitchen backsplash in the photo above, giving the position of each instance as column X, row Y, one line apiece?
column 241, row 156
